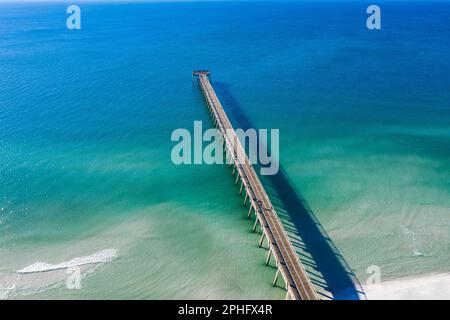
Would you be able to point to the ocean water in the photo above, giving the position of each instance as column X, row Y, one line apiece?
column 86, row 178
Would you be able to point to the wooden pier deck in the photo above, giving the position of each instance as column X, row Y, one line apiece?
column 298, row 284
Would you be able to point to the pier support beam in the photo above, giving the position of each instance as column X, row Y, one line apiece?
column 256, row 224
column 242, row 185
column 227, row 152
column 250, row 212
column 237, row 178
column 261, row 240
column 245, row 200
column 269, row 255
column 276, row 277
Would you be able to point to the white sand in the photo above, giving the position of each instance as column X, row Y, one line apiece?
column 427, row 288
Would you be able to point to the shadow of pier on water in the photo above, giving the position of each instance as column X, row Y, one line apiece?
column 327, row 268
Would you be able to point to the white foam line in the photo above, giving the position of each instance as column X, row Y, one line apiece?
column 98, row 257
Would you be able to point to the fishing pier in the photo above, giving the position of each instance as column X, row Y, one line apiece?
column 298, row 283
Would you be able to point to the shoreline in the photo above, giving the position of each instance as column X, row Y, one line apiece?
column 425, row 287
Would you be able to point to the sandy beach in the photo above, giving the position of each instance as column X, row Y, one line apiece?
column 435, row 287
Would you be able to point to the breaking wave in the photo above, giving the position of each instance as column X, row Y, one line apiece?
column 98, row 257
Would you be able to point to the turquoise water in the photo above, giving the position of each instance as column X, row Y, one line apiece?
column 86, row 118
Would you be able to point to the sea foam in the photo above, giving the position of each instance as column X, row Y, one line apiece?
column 98, row 257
